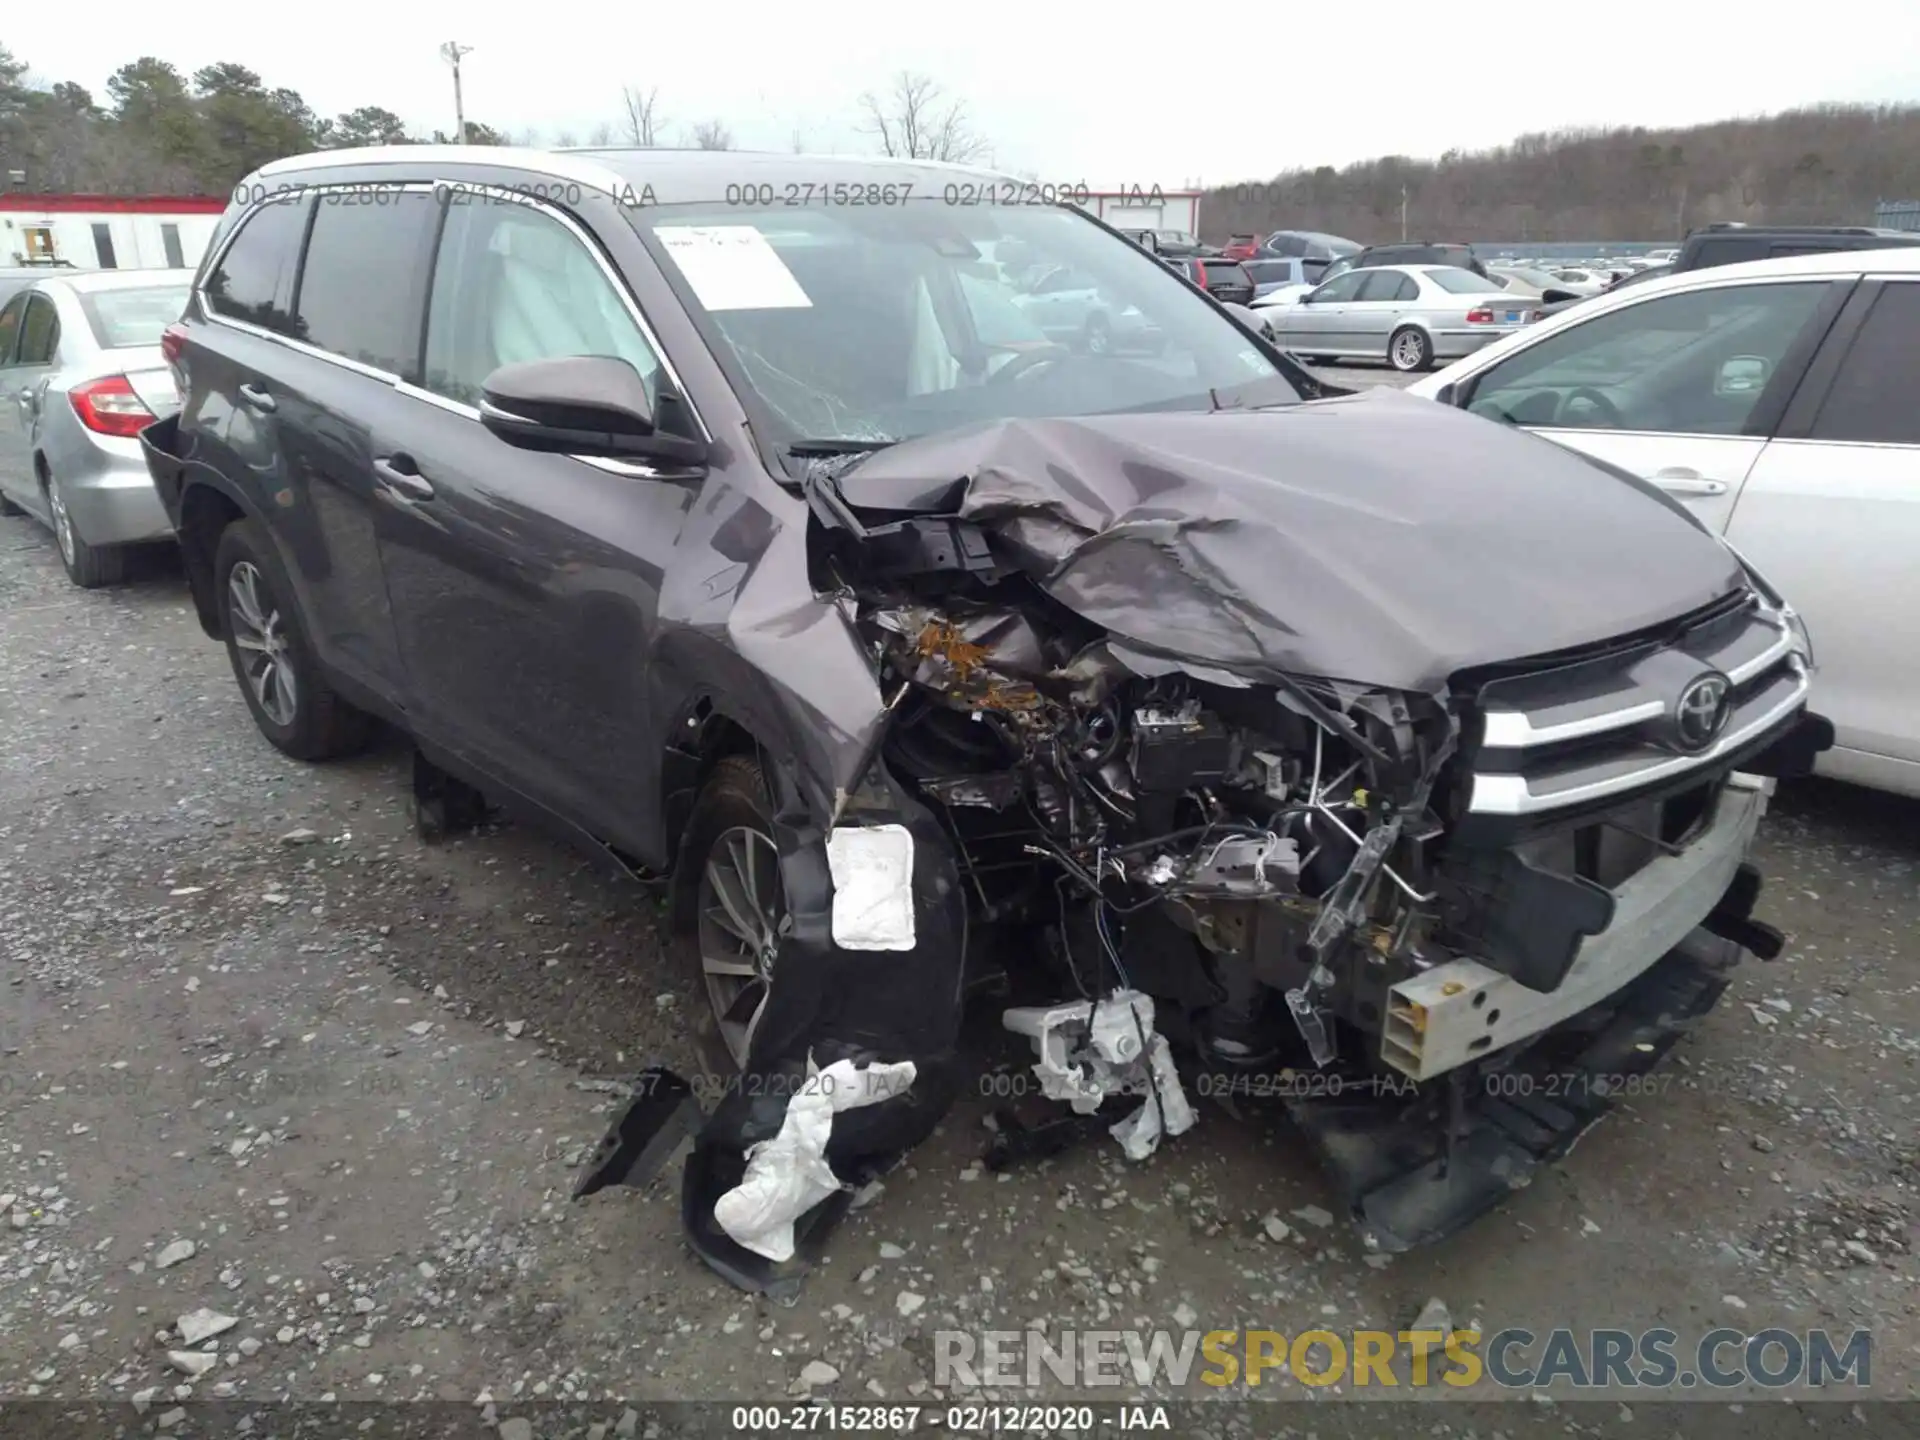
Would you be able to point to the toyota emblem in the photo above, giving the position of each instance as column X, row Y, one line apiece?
column 1701, row 712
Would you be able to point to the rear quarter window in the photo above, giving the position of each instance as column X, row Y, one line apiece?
column 254, row 280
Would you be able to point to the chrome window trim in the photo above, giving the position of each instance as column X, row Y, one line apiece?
column 505, row 195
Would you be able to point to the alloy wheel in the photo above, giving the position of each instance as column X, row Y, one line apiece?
column 740, row 907
column 259, row 633
column 1409, row 350
column 62, row 526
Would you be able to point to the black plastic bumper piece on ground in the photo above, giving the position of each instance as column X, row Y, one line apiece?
column 1391, row 1162
column 663, row 1112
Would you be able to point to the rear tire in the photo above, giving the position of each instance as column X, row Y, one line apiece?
column 1409, row 350
column 731, row 826
column 88, row 566
column 292, row 703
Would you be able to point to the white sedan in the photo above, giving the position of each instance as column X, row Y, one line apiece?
column 1407, row 315
column 1779, row 401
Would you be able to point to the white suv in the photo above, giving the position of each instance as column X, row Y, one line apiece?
column 1780, row 402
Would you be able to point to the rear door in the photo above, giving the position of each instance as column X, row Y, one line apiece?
column 1682, row 389
column 1384, row 297
column 1831, row 515
column 357, row 310
column 16, row 399
column 525, row 586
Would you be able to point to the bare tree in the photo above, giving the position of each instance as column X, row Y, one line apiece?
column 642, row 115
column 712, row 135
column 915, row 120
column 798, row 140
column 601, row 134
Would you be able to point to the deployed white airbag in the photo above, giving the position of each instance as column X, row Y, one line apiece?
column 789, row 1175
column 872, row 870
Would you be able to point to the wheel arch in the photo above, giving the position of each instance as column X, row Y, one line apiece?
column 206, row 510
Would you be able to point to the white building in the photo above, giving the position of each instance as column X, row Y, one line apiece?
column 1141, row 207
column 106, row 232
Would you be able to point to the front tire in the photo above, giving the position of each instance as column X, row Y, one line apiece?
column 292, row 703
column 731, row 905
column 88, row 566
column 1409, row 350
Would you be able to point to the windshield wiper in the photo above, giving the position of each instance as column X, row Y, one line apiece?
column 814, row 449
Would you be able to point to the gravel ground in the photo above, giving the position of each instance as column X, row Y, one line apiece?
column 252, row 1022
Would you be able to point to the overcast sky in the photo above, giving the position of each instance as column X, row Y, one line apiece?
column 1071, row 92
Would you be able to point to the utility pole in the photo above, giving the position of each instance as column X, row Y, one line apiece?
column 452, row 51
column 1403, row 207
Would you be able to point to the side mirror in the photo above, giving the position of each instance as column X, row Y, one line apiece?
column 1742, row 375
column 580, row 405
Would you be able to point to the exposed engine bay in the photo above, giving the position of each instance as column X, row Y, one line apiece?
column 1252, row 857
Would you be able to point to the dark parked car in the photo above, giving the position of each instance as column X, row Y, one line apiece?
column 1225, row 280
column 1422, row 252
column 1729, row 243
column 1314, row 249
column 767, row 552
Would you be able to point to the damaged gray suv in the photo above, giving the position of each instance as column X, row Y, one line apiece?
column 788, row 531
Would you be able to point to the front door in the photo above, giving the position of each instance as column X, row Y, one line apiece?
column 525, row 586
column 1831, row 515
column 1677, row 389
column 1316, row 322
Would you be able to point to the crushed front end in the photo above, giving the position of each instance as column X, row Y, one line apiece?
column 1143, row 800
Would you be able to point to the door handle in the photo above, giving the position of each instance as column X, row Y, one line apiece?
column 398, row 474
column 258, row 398
column 1680, row 481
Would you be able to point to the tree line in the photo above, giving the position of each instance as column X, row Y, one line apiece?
column 1825, row 165
column 158, row 131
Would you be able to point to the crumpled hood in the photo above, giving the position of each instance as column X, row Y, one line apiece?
column 1375, row 538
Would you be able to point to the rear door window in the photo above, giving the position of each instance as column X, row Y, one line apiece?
column 362, row 292
column 10, row 326
column 39, row 332
column 254, row 280
column 1876, row 393
column 1386, row 285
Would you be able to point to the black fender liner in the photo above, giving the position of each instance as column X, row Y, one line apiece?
column 827, row 1004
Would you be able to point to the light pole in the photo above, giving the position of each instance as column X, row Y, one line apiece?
column 452, row 51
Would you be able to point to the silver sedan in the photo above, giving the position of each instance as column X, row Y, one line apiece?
column 81, row 374
column 1408, row 315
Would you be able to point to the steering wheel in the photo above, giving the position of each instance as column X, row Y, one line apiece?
column 1027, row 360
column 1608, row 412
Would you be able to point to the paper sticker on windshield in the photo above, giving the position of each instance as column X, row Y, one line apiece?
column 732, row 267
